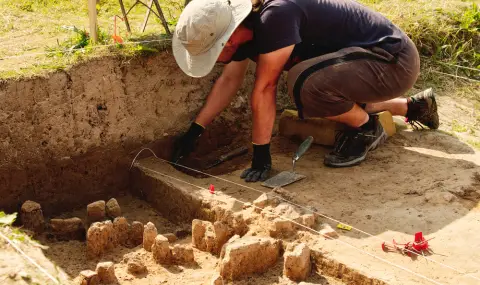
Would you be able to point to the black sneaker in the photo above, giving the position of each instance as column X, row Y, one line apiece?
column 352, row 145
column 422, row 110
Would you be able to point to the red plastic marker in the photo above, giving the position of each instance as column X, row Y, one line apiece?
column 212, row 189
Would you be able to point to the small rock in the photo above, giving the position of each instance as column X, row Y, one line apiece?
column 210, row 237
column 106, row 272
column 232, row 239
column 31, row 216
column 199, row 229
column 122, row 229
column 288, row 211
column 183, row 254
column 113, row 209
column 100, row 238
column 328, row 231
column 239, row 224
column 171, row 237
column 449, row 197
column 135, row 236
column 68, row 229
column 297, row 263
column 89, row 277
column 281, row 227
column 149, row 235
column 161, row 250
column 25, row 276
column 249, row 255
column 217, row 279
column 247, row 205
column 96, row 212
column 285, row 194
column 261, row 202
column 136, row 266
column 308, row 220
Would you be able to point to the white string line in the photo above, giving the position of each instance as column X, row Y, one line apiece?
column 312, row 211
column 456, row 65
column 70, row 50
column 29, row 258
column 456, row 76
column 306, row 227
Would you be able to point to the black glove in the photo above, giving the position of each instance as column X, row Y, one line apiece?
column 261, row 164
column 186, row 144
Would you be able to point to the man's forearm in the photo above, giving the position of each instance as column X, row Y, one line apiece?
column 223, row 92
column 263, row 112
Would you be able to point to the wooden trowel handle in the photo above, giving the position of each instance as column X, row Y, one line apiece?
column 234, row 153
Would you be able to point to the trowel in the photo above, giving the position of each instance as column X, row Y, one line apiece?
column 288, row 177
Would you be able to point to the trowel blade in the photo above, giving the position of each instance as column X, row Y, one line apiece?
column 282, row 179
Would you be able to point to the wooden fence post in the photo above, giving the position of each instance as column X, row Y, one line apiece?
column 92, row 15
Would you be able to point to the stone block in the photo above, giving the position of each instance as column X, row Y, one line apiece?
column 135, row 236
column 122, row 229
column 113, row 209
column 149, row 235
column 328, row 231
column 322, row 130
column 89, row 277
column 136, row 266
column 171, row 237
column 249, row 255
column 280, row 226
column 100, row 238
column 31, row 216
column 96, row 212
column 68, row 229
column 106, row 272
column 161, row 250
column 183, row 254
column 297, row 264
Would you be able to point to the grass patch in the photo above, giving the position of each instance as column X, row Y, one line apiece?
column 474, row 143
column 456, row 127
column 446, row 31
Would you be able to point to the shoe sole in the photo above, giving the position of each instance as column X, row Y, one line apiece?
column 380, row 140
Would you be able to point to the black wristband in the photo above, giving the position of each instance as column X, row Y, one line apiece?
column 261, row 156
column 195, row 130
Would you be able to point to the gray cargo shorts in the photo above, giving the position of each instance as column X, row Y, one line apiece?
column 331, row 84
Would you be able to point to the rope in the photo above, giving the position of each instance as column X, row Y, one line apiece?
column 29, row 258
column 309, row 210
column 313, row 230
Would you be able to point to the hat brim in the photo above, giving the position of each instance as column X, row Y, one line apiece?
column 201, row 65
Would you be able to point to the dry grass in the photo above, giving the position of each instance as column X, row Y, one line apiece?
column 446, row 31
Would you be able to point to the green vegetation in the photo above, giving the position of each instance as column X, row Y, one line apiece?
column 7, row 220
column 445, row 32
column 456, row 127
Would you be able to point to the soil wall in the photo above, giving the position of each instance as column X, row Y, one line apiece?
column 69, row 138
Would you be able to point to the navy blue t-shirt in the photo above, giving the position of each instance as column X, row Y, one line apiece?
column 317, row 27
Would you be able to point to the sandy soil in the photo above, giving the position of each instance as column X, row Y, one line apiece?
column 69, row 259
column 418, row 181
column 426, row 181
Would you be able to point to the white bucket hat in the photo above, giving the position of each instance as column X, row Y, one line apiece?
column 202, row 31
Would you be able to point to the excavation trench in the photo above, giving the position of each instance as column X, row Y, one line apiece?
column 68, row 139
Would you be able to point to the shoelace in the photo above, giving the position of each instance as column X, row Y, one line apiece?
column 415, row 124
column 346, row 137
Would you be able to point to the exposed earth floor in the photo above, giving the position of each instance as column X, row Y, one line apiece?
column 426, row 181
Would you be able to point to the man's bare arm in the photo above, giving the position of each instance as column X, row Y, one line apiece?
column 223, row 91
column 269, row 69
